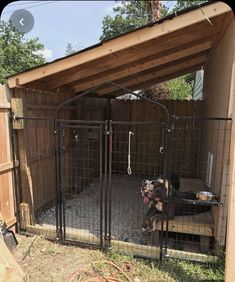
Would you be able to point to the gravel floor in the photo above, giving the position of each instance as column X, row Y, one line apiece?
column 83, row 210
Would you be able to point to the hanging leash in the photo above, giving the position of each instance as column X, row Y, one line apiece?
column 129, row 171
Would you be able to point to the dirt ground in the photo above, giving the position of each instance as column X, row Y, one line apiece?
column 43, row 260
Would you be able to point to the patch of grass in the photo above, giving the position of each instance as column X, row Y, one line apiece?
column 195, row 272
column 49, row 261
column 174, row 270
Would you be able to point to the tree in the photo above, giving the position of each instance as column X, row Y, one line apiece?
column 129, row 16
column 157, row 91
column 181, row 5
column 132, row 14
column 70, row 49
column 181, row 88
column 17, row 53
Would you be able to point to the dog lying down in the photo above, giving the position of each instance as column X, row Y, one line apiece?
column 155, row 193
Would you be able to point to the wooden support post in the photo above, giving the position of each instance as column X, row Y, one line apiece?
column 17, row 109
column 23, row 147
column 7, row 203
column 24, row 215
column 230, row 240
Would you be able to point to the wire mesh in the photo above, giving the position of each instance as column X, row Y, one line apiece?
column 81, row 182
column 199, row 157
column 202, row 162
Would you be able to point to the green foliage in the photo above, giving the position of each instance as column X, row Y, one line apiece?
column 129, row 15
column 17, row 53
column 180, row 5
column 181, row 88
column 132, row 14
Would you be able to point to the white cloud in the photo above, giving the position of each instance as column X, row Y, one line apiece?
column 47, row 53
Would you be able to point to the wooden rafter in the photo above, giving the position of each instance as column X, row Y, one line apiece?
column 131, row 40
column 142, row 65
column 151, row 82
column 155, row 73
column 169, row 42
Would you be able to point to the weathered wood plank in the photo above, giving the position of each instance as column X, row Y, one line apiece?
column 119, row 246
column 17, row 109
column 199, row 224
column 129, row 40
column 6, row 176
column 40, row 107
column 155, row 73
column 5, row 105
column 141, row 65
column 151, row 82
column 24, row 215
column 132, row 55
column 7, row 166
column 9, row 268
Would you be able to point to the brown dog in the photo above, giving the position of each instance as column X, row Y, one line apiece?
column 155, row 193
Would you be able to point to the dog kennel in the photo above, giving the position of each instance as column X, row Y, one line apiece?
column 83, row 154
column 87, row 174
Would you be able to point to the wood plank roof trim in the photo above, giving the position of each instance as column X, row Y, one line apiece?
column 144, row 34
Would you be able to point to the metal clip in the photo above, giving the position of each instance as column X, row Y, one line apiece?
column 13, row 116
column 161, row 150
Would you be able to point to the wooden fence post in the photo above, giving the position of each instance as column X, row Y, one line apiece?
column 19, row 108
column 230, row 242
column 7, row 203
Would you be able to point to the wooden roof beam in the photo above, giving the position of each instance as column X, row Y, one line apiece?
column 121, row 43
column 154, row 74
column 168, row 42
column 152, row 82
column 141, row 66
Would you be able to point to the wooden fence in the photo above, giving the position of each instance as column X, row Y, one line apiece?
column 36, row 145
column 147, row 139
column 7, row 202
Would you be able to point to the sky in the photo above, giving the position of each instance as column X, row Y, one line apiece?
column 58, row 23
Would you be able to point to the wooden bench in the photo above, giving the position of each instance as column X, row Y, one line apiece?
column 199, row 224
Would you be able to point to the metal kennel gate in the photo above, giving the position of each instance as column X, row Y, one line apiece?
column 93, row 164
column 73, row 133
column 81, row 158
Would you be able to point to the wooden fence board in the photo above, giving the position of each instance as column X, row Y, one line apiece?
column 40, row 172
column 7, row 205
